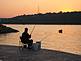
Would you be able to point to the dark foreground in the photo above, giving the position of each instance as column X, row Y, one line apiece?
column 14, row 53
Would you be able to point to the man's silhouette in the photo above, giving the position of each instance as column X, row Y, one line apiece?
column 26, row 38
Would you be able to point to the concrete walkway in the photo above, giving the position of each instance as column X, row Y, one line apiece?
column 14, row 53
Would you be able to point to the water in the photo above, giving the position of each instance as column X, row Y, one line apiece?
column 68, row 41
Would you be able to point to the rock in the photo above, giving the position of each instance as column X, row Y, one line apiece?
column 5, row 29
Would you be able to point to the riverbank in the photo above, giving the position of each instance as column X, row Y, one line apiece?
column 5, row 29
column 13, row 53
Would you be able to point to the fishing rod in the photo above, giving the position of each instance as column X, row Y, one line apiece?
column 32, row 30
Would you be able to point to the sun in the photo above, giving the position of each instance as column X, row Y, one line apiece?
column 67, row 10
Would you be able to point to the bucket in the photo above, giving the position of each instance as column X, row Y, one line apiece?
column 36, row 46
column 39, row 44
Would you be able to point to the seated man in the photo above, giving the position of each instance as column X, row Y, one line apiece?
column 26, row 38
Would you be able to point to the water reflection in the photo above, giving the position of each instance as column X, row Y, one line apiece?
column 69, row 40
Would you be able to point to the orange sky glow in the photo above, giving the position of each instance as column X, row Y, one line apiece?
column 11, row 8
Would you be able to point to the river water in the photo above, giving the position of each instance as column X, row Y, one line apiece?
column 68, row 41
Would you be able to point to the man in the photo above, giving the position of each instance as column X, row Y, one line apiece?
column 26, row 38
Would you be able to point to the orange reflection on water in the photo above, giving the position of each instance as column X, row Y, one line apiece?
column 68, row 41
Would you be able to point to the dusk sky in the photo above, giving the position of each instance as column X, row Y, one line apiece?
column 11, row 8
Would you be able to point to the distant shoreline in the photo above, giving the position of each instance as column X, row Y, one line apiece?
column 61, row 18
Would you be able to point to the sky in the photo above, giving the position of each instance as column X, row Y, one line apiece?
column 11, row 8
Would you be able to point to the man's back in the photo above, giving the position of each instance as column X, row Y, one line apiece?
column 25, row 37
